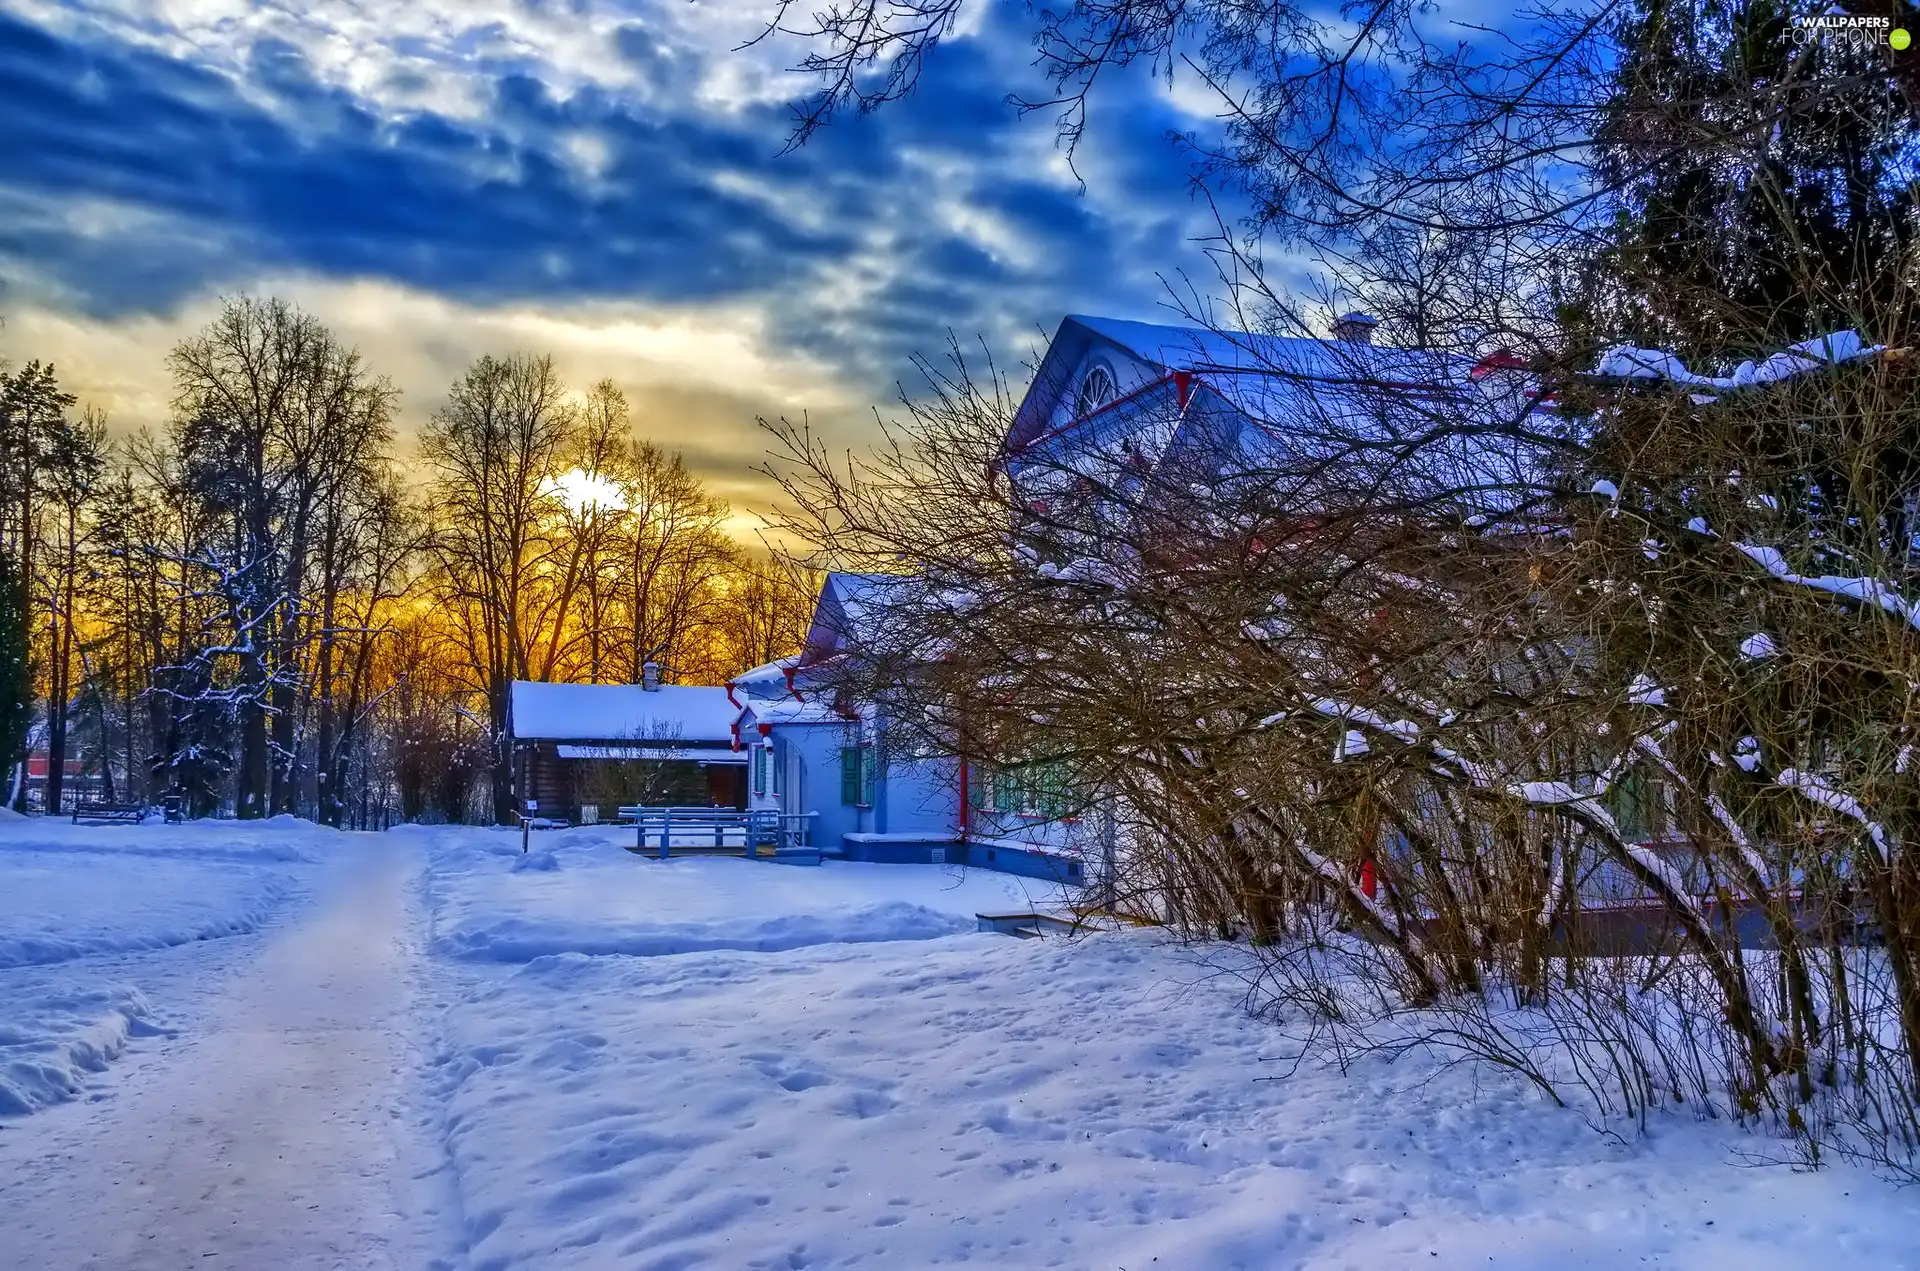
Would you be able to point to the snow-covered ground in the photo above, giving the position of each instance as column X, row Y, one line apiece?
column 92, row 924
column 423, row 1050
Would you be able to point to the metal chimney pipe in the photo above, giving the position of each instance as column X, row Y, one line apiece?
column 1356, row 328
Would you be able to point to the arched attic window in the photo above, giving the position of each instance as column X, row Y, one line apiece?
column 1096, row 390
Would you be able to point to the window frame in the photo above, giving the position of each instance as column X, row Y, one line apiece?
column 1081, row 407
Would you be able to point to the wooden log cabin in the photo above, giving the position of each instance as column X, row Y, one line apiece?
column 583, row 750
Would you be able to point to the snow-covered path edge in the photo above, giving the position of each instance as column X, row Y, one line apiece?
column 284, row 1136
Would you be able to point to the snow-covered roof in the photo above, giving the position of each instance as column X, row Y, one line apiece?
column 787, row 710
column 1240, row 366
column 1201, row 350
column 767, row 675
column 846, row 602
column 620, row 712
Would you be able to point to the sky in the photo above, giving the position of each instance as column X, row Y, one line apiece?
column 597, row 179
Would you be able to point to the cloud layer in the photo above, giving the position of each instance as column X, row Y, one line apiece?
column 446, row 177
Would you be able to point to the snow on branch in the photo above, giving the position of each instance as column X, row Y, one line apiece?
column 1625, row 361
column 1404, row 729
column 1866, row 590
column 1818, row 790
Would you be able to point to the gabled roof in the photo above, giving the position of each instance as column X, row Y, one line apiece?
column 769, row 678
column 846, row 601
column 1337, row 419
column 1243, row 367
column 686, row 713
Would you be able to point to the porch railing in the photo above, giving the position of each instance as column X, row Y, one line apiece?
column 709, row 830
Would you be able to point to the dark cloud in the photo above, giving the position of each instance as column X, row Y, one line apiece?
column 219, row 180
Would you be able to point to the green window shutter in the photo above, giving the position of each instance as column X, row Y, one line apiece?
column 759, row 769
column 868, row 774
column 1053, row 789
column 1630, row 798
column 850, row 774
column 1006, row 791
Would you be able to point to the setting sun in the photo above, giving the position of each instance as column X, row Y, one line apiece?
column 581, row 490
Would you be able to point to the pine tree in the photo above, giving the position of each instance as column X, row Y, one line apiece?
column 1765, row 179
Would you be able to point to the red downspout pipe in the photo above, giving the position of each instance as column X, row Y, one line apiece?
column 966, row 813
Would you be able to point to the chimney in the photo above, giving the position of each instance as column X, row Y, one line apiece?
column 1356, row 328
column 650, row 677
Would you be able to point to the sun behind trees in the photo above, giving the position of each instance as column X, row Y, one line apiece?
column 263, row 606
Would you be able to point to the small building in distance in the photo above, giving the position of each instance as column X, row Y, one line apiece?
column 583, row 750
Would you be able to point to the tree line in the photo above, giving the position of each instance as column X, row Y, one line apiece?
column 264, row 605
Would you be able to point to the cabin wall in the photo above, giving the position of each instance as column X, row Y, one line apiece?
column 547, row 780
column 811, row 755
column 561, row 786
column 918, row 796
column 1068, row 835
column 806, row 759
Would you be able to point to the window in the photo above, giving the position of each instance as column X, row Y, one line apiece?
column 1096, row 390
column 1003, row 791
column 856, row 775
column 1028, row 789
column 766, row 772
column 1636, row 804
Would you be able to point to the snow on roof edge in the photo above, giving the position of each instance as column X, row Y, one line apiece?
column 542, row 711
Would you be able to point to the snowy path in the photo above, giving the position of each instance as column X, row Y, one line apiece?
column 271, row 1140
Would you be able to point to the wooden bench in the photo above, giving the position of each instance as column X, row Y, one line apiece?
column 126, row 813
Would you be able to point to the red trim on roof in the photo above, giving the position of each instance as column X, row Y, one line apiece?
column 1076, row 421
column 1501, row 359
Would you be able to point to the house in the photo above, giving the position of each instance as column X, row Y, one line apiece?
column 1111, row 395
column 582, row 750
column 868, row 795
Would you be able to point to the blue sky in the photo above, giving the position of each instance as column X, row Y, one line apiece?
column 595, row 178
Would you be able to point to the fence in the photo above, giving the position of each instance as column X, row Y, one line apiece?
column 719, row 829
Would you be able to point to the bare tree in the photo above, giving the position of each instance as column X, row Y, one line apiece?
column 271, row 415
column 496, row 515
column 676, row 557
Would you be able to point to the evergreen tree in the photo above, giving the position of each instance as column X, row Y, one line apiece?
column 32, row 409
column 1764, row 177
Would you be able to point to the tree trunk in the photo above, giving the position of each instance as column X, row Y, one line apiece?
column 506, row 808
column 251, row 791
column 61, row 651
